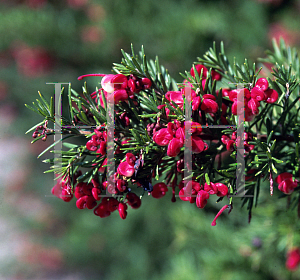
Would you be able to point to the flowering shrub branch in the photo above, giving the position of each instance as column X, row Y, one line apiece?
column 149, row 133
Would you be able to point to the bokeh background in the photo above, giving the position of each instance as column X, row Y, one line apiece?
column 45, row 238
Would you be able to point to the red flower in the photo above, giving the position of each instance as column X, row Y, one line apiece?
column 162, row 137
column 91, row 146
column 122, row 210
column 159, row 190
column 293, row 259
column 96, row 193
column 102, row 168
column 120, row 95
column 133, row 200
column 62, row 189
column 174, row 147
column 201, row 199
column 211, row 189
column 112, row 204
column 222, row 189
column 180, row 134
column 271, row 95
column 121, row 185
column 199, row 67
column 218, row 214
column 262, row 84
column 111, row 82
column 102, row 209
column 125, row 169
column 130, row 159
column 197, row 145
column 257, row 94
column 208, row 104
column 189, row 192
column 86, row 202
column 253, row 104
column 286, row 183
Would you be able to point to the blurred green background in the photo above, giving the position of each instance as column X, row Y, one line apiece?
column 56, row 41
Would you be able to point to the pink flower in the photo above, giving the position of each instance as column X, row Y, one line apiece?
column 125, row 169
column 293, row 259
column 174, row 147
column 199, row 67
column 201, row 199
column 257, row 93
column 286, row 183
column 189, row 192
column 62, row 189
column 218, row 214
column 271, row 96
column 197, row 145
column 253, row 105
column 208, row 104
column 162, row 137
column 262, row 84
column 222, row 189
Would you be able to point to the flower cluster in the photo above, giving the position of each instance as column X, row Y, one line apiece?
column 235, row 141
column 122, row 87
column 98, row 142
column 194, row 192
column 252, row 98
column 173, row 136
column 44, row 132
column 151, row 126
column 201, row 68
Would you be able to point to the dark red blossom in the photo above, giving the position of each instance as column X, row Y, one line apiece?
column 86, row 202
column 102, row 209
column 159, row 190
column 122, row 210
column 133, row 200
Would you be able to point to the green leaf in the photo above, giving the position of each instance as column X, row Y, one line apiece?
column 52, row 145
column 70, row 102
column 33, row 109
column 270, row 136
column 136, row 135
column 70, row 145
column 34, row 127
column 207, row 179
column 274, row 168
column 46, row 104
